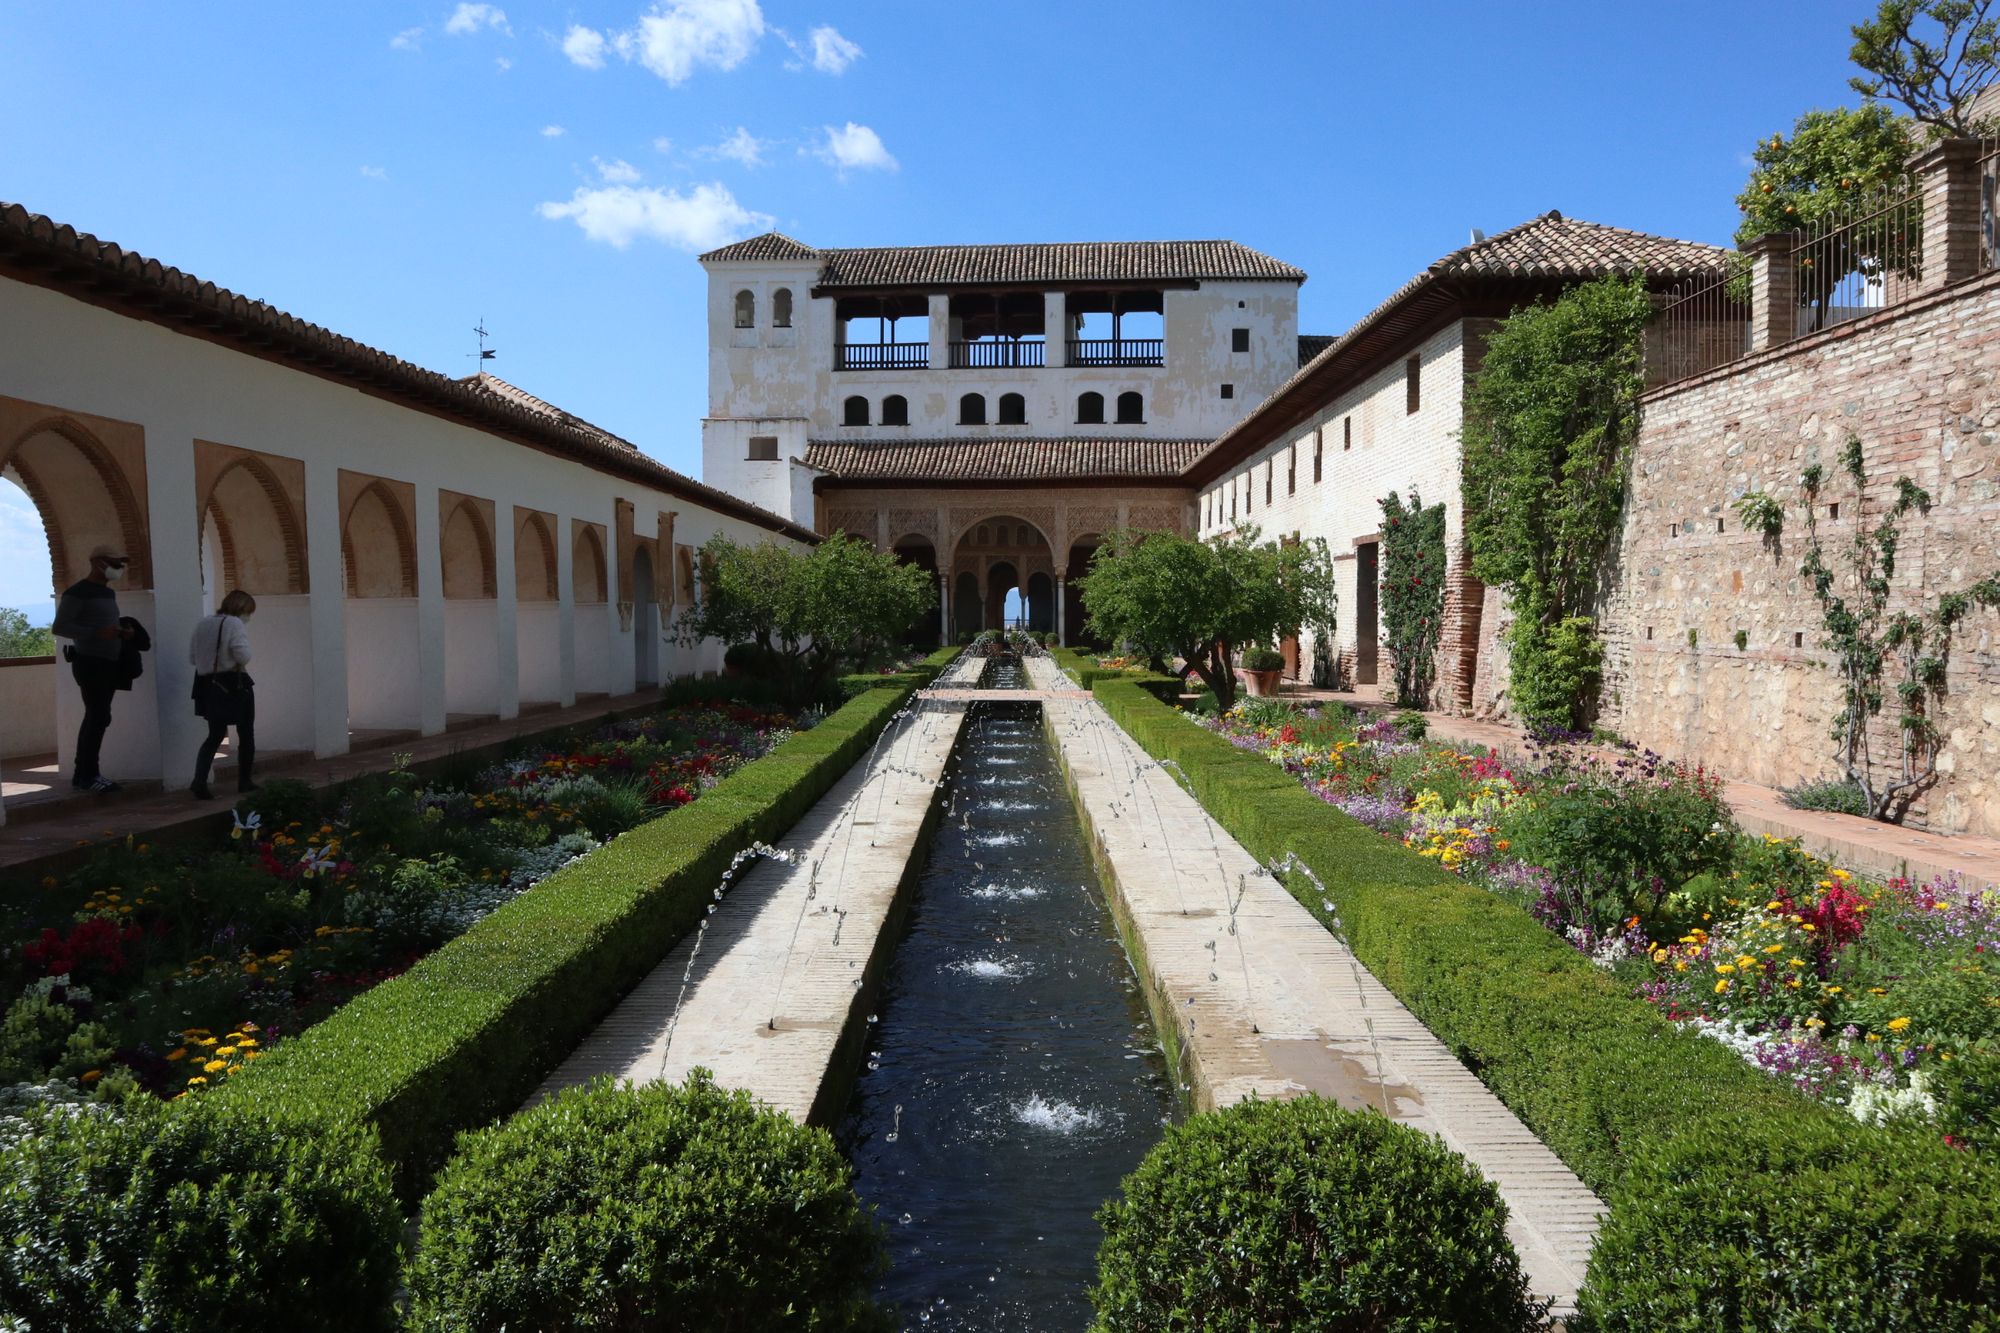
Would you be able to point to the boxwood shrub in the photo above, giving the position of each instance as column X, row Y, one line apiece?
column 194, row 1215
column 657, row 1207
column 1301, row 1215
column 1790, row 1226
column 470, row 1031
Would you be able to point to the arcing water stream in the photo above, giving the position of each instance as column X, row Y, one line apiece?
column 1014, row 1078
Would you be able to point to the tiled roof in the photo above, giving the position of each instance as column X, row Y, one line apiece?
column 771, row 245
column 1001, row 460
column 1548, row 248
column 36, row 249
column 936, row 266
column 1553, row 246
column 513, row 393
column 1312, row 344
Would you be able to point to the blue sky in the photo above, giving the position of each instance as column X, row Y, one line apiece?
column 399, row 171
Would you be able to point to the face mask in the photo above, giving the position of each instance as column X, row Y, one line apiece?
column 114, row 573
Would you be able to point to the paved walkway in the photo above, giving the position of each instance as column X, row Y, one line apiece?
column 1880, row 851
column 781, row 974
column 174, row 814
column 1268, row 1003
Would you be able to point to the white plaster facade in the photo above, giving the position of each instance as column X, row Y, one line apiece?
column 779, row 383
column 408, row 566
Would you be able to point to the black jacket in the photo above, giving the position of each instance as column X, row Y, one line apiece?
column 130, row 668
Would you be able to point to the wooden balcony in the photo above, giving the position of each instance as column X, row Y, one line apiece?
column 999, row 354
column 882, row 356
column 1117, row 351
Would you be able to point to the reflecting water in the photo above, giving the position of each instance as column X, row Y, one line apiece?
column 1013, row 1078
column 1006, row 673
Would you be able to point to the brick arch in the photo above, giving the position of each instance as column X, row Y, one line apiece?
column 67, row 557
column 534, row 534
column 965, row 526
column 482, row 538
column 588, row 558
column 285, row 515
column 399, row 525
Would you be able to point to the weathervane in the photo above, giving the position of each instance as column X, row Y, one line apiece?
column 485, row 353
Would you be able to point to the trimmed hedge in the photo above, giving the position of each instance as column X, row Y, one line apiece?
column 469, row 1032
column 1301, row 1215
column 658, row 1207
column 922, row 674
column 1591, row 1069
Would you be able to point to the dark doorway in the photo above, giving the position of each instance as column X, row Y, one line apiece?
column 1365, row 629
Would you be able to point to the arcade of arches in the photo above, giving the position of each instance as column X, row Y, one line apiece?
column 999, row 540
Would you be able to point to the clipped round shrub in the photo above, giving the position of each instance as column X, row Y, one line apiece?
column 1301, row 1215
column 1798, row 1224
column 656, row 1207
column 194, row 1215
column 1262, row 659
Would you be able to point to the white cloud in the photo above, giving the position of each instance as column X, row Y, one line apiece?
column 470, row 18
column 703, row 218
column 616, row 172
column 409, row 39
column 742, row 146
column 502, row 63
column 856, row 148
column 584, row 46
column 376, row 173
column 832, row 53
column 553, row 131
column 679, row 35
column 663, row 144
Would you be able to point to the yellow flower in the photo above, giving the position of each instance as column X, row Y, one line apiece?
column 1774, row 948
column 1660, row 955
column 1725, row 968
column 196, row 1081
column 1898, row 1024
column 215, row 1066
column 1722, row 986
column 178, row 1054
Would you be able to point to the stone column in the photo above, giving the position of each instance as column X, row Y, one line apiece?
column 944, row 608
column 1062, row 606
column 506, row 615
column 565, row 609
column 431, row 641
column 1774, row 290
column 1948, row 178
column 1055, row 328
column 940, row 328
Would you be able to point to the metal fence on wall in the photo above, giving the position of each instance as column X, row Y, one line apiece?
column 1859, row 256
column 1989, row 204
column 1703, row 322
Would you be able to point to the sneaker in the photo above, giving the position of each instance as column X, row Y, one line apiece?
column 103, row 786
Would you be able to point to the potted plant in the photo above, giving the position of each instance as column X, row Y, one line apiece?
column 1259, row 668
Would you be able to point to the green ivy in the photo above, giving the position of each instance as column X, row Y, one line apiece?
column 1866, row 637
column 1549, row 428
column 1412, row 592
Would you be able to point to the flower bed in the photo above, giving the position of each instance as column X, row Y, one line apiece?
column 1882, row 998
column 178, row 968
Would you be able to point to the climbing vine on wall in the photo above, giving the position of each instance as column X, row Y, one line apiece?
column 1412, row 593
column 1873, row 645
column 1549, row 428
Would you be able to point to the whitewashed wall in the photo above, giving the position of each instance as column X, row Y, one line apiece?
column 27, row 723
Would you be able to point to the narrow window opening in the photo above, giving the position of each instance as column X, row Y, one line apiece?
column 1319, row 457
column 1833, row 511
column 1090, row 409
column 1346, row 434
column 1649, row 634
column 746, row 310
column 854, row 412
column 781, row 308
column 1798, row 639
column 1270, row 469
column 972, row 410
column 1239, row 340
column 1413, row 384
column 1013, row 410
column 1292, row 471
column 1131, row 409
column 1229, row 391
column 1673, row 529
column 895, row 410
column 1718, row 525
column 763, row 448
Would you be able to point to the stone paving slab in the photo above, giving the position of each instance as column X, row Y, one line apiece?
column 779, row 981
column 1268, row 1003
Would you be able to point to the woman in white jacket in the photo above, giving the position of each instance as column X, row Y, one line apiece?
column 219, row 649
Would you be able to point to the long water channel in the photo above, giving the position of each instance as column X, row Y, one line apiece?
column 1013, row 1078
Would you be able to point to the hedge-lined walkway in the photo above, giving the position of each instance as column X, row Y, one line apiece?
column 1264, row 1002
column 792, row 949
column 1879, row 851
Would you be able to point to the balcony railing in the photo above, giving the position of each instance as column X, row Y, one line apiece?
column 1117, row 351
column 1001, row 354
column 882, row 356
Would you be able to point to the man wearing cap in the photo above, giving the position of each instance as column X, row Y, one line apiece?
column 88, row 617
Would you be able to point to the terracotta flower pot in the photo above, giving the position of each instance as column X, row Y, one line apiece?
column 1260, row 684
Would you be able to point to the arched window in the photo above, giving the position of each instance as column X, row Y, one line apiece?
column 1131, row 408
column 854, row 411
column 746, row 309
column 1090, row 409
column 972, row 410
column 895, row 410
column 781, row 308
column 1013, row 410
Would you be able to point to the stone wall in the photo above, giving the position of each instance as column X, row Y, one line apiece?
column 1916, row 383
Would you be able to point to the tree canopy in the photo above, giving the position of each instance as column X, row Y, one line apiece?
column 1832, row 158
column 20, row 639
column 806, row 606
column 1201, row 599
column 1934, row 57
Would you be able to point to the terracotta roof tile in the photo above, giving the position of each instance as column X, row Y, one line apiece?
column 1000, row 460
column 935, row 266
column 490, row 383
column 35, row 249
column 1312, row 344
column 1553, row 246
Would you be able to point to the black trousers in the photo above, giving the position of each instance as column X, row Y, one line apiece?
column 246, row 746
column 98, row 679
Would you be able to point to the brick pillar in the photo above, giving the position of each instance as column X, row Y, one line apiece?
column 1948, row 177
column 1457, row 660
column 1774, row 290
